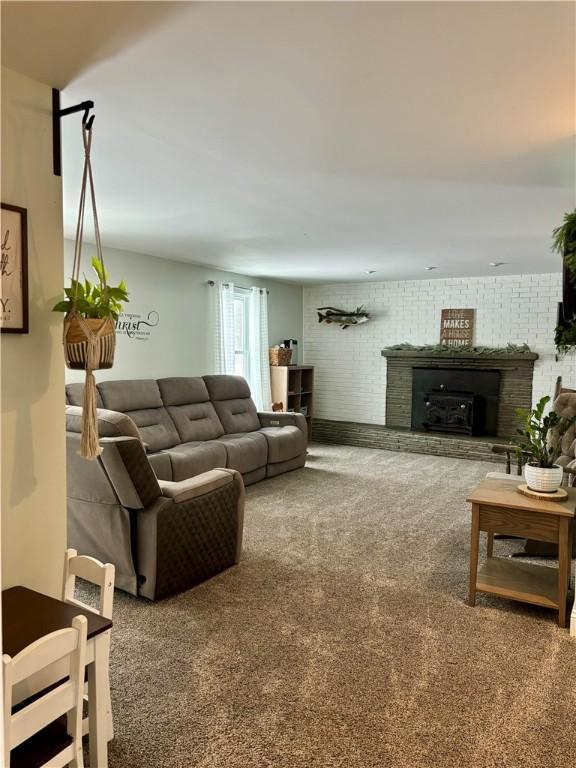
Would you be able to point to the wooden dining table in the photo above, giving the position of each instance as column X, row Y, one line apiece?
column 27, row 616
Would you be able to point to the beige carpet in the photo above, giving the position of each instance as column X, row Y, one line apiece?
column 343, row 638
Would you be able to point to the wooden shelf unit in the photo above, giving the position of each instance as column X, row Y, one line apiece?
column 293, row 386
column 525, row 582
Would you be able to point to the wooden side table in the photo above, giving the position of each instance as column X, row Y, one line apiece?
column 497, row 507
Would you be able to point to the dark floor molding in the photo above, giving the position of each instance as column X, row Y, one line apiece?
column 391, row 439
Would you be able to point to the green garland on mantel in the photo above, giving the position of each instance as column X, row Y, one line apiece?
column 509, row 349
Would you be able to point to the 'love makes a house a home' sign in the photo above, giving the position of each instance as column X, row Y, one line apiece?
column 457, row 327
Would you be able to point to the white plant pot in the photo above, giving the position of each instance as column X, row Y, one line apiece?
column 543, row 480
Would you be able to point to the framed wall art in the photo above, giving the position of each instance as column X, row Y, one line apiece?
column 14, row 270
column 457, row 327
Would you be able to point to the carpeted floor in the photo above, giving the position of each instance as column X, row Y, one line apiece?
column 343, row 638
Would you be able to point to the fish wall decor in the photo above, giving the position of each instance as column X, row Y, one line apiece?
column 341, row 317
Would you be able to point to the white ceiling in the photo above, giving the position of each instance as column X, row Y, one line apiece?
column 315, row 141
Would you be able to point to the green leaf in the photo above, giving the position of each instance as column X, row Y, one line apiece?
column 77, row 288
column 117, row 293
column 94, row 300
column 98, row 267
column 62, row 306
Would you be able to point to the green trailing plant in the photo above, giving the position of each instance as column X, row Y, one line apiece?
column 94, row 300
column 564, row 338
column 535, row 445
column 564, row 242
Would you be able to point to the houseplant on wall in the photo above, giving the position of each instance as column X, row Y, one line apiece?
column 89, row 339
column 98, row 305
column 564, row 243
column 539, row 446
column 89, row 335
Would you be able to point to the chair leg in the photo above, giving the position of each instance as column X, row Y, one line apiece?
column 110, row 719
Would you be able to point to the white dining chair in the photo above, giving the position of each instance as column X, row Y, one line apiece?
column 33, row 729
column 102, row 575
column 91, row 570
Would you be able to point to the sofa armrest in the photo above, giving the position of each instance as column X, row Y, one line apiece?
column 283, row 419
column 110, row 423
column 192, row 487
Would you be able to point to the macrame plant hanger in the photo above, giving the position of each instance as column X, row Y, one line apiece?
column 89, row 343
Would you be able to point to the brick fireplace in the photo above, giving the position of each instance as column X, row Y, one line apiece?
column 512, row 371
column 514, row 388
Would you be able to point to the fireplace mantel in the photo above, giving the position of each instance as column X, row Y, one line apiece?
column 454, row 354
column 516, row 369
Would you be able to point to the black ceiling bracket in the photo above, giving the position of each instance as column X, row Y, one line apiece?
column 57, row 113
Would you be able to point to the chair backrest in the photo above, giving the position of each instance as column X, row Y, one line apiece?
column 67, row 645
column 128, row 470
column 188, row 403
column 141, row 400
column 564, row 444
column 233, row 403
column 93, row 571
column 560, row 390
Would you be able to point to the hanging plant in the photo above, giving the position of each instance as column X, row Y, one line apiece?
column 564, row 338
column 91, row 311
column 564, row 243
column 94, row 301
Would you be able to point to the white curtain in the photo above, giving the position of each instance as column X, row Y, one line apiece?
column 258, row 374
column 223, row 309
column 256, row 363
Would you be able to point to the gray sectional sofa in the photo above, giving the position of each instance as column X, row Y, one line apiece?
column 164, row 501
column 192, row 425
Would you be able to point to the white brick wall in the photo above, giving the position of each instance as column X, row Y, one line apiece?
column 350, row 376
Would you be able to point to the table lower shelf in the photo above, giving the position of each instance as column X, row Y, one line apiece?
column 526, row 582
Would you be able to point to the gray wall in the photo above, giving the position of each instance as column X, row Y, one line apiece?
column 180, row 344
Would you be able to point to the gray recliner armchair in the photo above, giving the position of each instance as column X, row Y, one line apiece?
column 163, row 537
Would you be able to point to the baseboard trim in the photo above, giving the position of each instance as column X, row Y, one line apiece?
column 391, row 439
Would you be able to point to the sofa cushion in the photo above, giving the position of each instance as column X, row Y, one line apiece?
column 237, row 416
column 190, row 459
column 196, row 421
column 284, row 443
column 231, row 398
column 182, row 390
column 221, row 387
column 156, row 428
column 75, row 395
column 140, row 399
column 110, row 423
column 161, row 464
column 245, row 452
column 130, row 395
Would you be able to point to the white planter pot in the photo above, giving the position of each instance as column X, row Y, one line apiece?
column 543, row 480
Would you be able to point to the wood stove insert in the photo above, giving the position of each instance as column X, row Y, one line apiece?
column 455, row 401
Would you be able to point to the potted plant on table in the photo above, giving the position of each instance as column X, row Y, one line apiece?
column 540, row 446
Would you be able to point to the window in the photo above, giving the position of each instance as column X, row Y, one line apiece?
column 241, row 332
